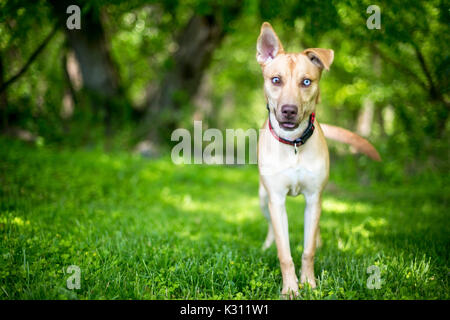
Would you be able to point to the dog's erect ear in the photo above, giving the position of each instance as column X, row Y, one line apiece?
column 268, row 45
column 323, row 58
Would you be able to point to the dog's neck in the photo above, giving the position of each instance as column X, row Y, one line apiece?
column 289, row 134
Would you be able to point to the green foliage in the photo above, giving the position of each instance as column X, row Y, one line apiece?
column 142, row 229
column 148, row 229
column 403, row 68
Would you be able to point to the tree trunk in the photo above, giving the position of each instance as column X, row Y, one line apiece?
column 196, row 44
column 365, row 118
column 92, row 52
column 99, row 74
column 3, row 100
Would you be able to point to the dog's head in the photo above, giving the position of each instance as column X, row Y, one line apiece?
column 291, row 80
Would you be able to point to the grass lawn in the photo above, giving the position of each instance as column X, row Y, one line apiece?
column 147, row 229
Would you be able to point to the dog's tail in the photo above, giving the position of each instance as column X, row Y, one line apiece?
column 359, row 143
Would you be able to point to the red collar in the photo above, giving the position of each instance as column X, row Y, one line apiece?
column 299, row 141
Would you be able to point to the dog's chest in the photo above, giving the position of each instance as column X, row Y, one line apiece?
column 284, row 171
column 297, row 179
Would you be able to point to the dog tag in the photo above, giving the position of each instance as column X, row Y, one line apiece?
column 295, row 148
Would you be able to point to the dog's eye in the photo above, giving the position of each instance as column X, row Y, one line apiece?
column 306, row 82
column 276, row 80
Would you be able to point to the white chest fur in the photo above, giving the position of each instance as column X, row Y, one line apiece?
column 282, row 170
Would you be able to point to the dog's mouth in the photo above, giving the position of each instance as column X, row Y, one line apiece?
column 288, row 125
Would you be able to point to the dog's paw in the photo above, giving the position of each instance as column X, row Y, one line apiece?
column 289, row 293
column 290, row 289
column 268, row 241
column 309, row 279
column 266, row 245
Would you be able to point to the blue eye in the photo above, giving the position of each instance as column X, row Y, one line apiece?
column 276, row 80
column 306, row 82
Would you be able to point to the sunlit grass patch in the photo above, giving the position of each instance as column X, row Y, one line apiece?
column 147, row 229
column 335, row 206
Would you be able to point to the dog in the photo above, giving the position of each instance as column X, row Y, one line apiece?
column 292, row 150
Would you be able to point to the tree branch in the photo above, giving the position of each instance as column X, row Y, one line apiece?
column 430, row 86
column 398, row 65
column 29, row 61
column 434, row 92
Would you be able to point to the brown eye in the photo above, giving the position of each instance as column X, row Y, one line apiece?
column 276, row 80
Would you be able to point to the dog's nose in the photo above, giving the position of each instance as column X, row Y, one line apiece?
column 289, row 110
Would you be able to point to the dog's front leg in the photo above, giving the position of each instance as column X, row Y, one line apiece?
column 279, row 220
column 312, row 216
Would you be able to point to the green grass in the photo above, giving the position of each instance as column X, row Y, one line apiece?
column 147, row 229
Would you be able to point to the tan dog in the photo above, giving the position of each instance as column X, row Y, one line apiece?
column 292, row 151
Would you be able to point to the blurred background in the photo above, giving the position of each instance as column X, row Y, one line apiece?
column 86, row 176
column 139, row 69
